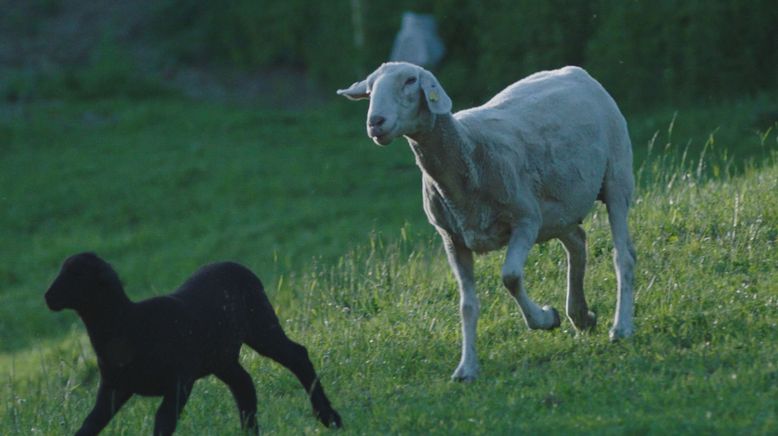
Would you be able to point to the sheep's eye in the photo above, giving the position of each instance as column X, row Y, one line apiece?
column 410, row 81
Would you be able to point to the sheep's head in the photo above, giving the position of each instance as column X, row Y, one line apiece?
column 403, row 99
column 85, row 280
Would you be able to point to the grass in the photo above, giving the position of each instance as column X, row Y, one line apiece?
column 335, row 229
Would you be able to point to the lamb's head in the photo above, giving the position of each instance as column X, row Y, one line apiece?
column 84, row 281
column 404, row 99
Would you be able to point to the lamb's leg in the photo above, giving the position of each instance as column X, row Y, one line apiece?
column 576, row 307
column 173, row 403
column 522, row 239
column 109, row 401
column 461, row 261
column 242, row 388
column 624, row 262
column 276, row 345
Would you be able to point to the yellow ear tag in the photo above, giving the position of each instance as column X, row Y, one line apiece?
column 433, row 96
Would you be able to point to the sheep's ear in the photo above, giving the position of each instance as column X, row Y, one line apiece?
column 357, row 91
column 437, row 99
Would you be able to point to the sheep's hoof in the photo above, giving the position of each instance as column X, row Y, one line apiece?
column 588, row 323
column 549, row 321
column 556, row 320
column 463, row 378
column 330, row 419
column 618, row 333
column 463, row 375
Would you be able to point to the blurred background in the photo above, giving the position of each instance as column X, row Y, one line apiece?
column 296, row 52
column 166, row 134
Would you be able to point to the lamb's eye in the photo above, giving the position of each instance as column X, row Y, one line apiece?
column 410, row 81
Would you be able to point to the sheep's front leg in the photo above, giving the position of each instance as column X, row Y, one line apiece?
column 522, row 239
column 109, row 401
column 624, row 262
column 461, row 261
column 274, row 343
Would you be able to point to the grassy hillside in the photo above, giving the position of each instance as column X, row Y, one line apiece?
column 334, row 227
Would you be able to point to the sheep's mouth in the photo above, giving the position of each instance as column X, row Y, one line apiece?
column 382, row 140
column 53, row 304
column 382, row 136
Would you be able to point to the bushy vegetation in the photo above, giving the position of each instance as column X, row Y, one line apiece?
column 249, row 34
column 334, row 227
column 643, row 51
column 646, row 53
column 110, row 72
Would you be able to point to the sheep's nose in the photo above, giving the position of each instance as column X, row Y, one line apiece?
column 376, row 121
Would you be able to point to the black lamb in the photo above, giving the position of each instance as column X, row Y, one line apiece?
column 161, row 346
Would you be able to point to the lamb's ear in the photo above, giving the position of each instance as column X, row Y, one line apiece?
column 437, row 99
column 357, row 91
column 107, row 275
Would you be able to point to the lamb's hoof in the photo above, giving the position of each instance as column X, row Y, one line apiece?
column 330, row 419
column 618, row 333
column 465, row 375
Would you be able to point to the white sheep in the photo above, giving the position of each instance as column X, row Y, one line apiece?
column 523, row 168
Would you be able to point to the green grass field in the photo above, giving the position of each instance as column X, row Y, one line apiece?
column 334, row 227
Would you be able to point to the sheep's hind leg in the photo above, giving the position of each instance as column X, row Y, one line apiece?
column 522, row 239
column 624, row 263
column 577, row 310
column 461, row 261
column 242, row 388
column 274, row 343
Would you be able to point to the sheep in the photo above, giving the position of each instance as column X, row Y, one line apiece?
column 525, row 167
column 162, row 345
